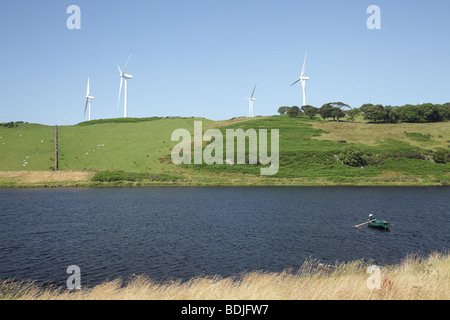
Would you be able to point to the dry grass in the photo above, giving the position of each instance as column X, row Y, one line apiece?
column 38, row 177
column 223, row 123
column 413, row 279
column 371, row 134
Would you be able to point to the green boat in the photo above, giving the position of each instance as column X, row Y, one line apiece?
column 379, row 224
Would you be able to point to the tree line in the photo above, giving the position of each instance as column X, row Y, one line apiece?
column 378, row 113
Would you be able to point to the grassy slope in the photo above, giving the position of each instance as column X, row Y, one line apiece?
column 31, row 143
column 307, row 150
column 134, row 147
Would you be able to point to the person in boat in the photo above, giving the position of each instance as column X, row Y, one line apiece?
column 371, row 217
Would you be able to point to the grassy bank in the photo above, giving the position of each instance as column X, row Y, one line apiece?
column 413, row 279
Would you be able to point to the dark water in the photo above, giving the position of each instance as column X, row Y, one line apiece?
column 183, row 232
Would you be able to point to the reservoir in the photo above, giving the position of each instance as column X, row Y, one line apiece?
column 183, row 232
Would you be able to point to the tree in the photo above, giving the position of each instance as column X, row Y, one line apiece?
column 364, row 107
column 310, row 111
column 294, row 112
column 283, row 110
column 333, row 109
column 444, row 111
column 391, row 114
column 411, row 113
column 340, row 105
column 325, row 111
column 375, row 113
column 337, row 113
column 353, row 113
column 431, row 113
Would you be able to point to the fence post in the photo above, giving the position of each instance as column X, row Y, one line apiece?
column 56, row 147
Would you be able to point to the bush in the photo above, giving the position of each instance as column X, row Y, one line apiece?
column 376, row 159
column 10, row 124
column 441, row 156
column 352, row 156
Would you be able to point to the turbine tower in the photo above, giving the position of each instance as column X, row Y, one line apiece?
column 250, row 103
column 88, row 102
column 125, row 77
column 303, row 80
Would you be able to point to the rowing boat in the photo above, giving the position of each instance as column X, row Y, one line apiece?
column 379, row 224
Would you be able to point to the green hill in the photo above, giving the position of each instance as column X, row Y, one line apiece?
column 311, row 152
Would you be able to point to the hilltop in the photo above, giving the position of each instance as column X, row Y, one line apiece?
column 312, row 152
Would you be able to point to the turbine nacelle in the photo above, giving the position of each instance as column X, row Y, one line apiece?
column 300, row 79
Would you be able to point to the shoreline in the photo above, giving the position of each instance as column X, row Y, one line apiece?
column 83, row 179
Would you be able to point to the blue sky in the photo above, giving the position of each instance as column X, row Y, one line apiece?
column 202, row 57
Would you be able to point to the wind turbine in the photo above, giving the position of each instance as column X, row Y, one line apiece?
column 303, row 80
column 125, row 77
column 88, row 102
column 250, row 103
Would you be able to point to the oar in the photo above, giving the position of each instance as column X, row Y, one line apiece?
column 359, row 225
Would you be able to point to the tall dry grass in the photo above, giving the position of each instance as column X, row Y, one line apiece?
column 413, row 279
column 371, row 134
column 37, row 177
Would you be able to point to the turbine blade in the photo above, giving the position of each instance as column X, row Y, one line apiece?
column 295, row 82
column 126, row 64
column 253, row 91
column 85, row 108
column 304, row 63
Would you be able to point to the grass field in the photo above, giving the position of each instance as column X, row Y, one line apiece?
column 413, row 279
column 401, row 154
